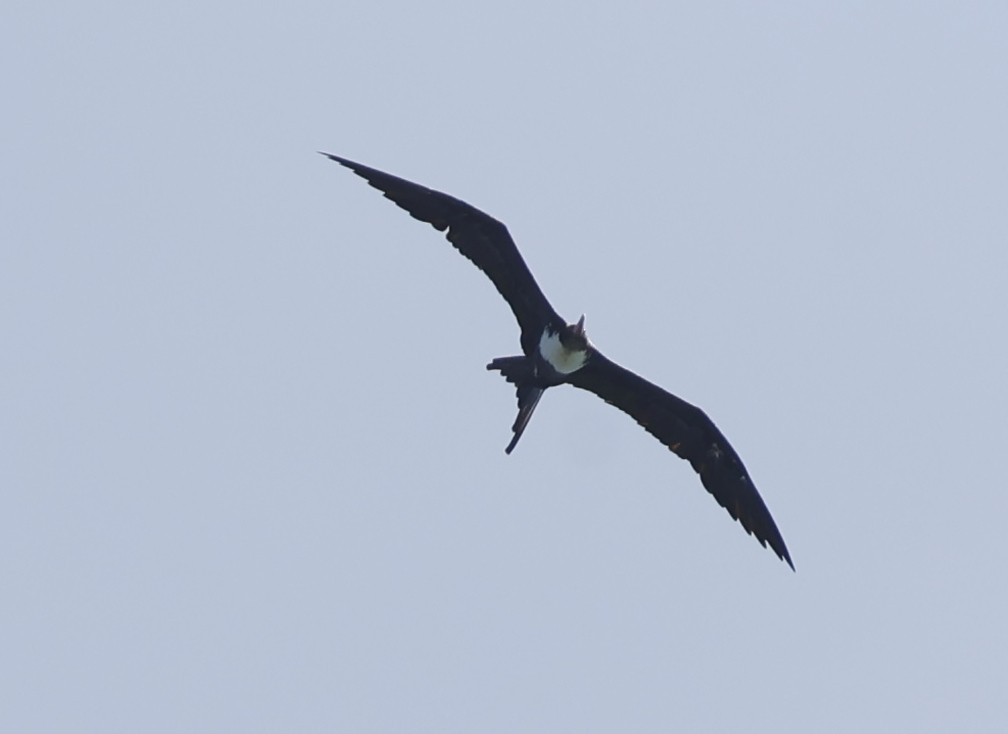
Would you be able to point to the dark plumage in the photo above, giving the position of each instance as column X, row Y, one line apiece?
column 556, row 353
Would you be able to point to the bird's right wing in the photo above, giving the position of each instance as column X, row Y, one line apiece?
column 690, row 434
column 481, row 238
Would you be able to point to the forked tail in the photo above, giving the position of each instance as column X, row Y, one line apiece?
column 520, row 373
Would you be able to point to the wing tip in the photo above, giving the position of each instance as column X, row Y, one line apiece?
column 765, row 532
column 342, row 161
column 774, row 542
column 778, row 547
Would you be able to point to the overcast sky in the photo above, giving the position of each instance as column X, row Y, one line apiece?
column 252, row 474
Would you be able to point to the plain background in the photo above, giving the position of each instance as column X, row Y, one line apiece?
column 252, row 465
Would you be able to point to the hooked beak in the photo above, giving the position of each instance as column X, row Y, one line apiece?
column 579, row 326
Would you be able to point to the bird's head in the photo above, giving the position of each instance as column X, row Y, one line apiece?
column 573, row 336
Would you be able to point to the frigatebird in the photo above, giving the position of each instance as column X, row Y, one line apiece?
column 557, row 353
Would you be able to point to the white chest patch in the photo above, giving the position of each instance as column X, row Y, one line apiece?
column 563, row 360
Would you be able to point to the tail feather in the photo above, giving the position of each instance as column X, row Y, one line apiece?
column 528, row 399
column 519, row 372
column 516, row 370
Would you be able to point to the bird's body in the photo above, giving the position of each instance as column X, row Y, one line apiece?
column 556, row 353
column 559, row 354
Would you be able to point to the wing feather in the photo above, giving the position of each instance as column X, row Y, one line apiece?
column 690, row 434
column 481, row 238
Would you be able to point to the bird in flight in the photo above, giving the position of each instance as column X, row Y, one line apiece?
column 557, row 353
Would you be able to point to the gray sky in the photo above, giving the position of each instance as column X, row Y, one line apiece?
column 252, row 465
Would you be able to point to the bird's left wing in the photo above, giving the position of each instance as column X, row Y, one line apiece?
column 481, row 238
column 687, row 431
